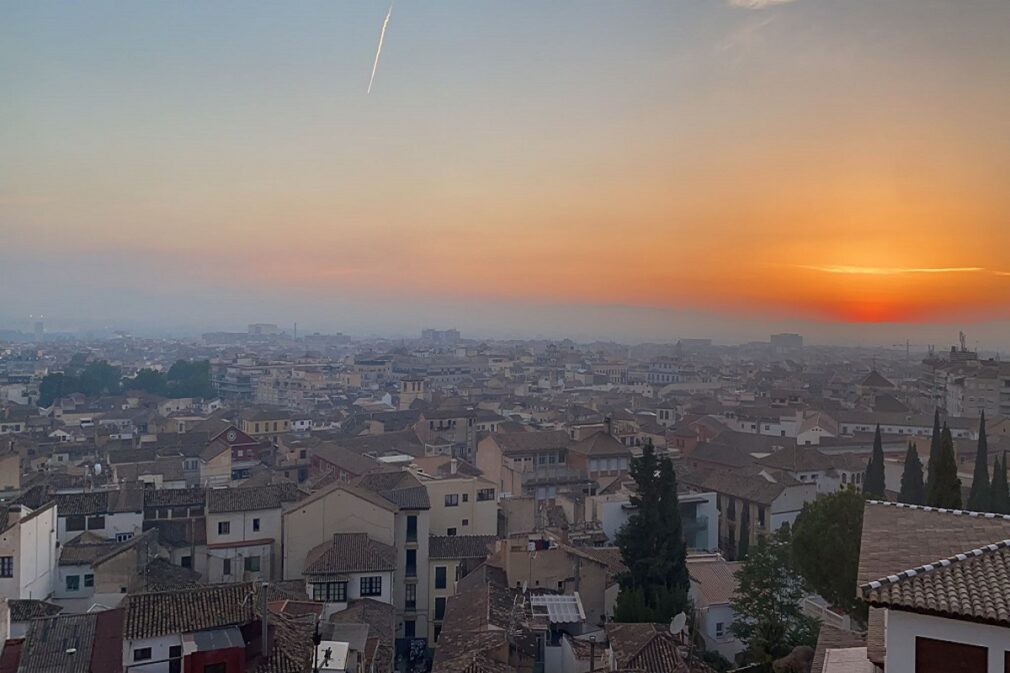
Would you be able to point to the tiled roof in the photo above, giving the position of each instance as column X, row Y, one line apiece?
column 351, row 461
column 174, row 497
column 899, row 537
column 161, row 575
column 23, row 610
column 600, row 444
column 647, row 648
column 150, row 615
column 714, row 579
column 380, row 618
column 830, row 637
column 100, row 502
column 798, row 459
column 350, row 552
column 95, row 637
column 401, row 488
column 459, row 546
column 241, row 499
column 972, row 585
column 753, row 488
column 522, row 442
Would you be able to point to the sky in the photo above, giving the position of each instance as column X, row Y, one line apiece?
column 636, row 170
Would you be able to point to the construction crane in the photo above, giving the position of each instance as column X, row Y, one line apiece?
column 908, row 345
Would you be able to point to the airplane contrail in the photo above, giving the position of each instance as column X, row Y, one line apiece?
column 378, row 51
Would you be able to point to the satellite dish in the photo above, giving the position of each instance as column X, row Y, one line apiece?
column 678, row 623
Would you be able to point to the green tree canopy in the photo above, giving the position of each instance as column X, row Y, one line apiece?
column 767, row 601
column 189, row 378
column 945, row 486
column 979, row 499
column 147, row 380
column 999, row 490
column 825, row 547
column 873, row 480
column 652, row 544
column 913, row 491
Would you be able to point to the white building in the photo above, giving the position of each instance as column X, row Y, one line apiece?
column 28, row 552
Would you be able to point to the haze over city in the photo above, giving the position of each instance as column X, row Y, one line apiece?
column 644, row 171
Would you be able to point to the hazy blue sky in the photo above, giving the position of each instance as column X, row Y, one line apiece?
column 630, row 169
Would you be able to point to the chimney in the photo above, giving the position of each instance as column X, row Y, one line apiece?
column 453, row 466
column 608, row 424
column 13, row 514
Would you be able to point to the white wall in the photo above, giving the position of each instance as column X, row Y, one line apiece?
column 159, row 653
column 902, row 628
column 32, row 544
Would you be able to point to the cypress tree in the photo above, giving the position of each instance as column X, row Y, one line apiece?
column 979, row 499
column 913, row 492
column 934, row 450
column 744, row 546
column 873, row 480
column 652, row 544
column 946, row 487
column 1000, row 492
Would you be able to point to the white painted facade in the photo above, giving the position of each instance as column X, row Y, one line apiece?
column 117, row 524
column 30, row 544
column 902, row 628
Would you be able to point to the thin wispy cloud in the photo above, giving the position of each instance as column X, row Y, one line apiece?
column 897, row 271
column 758, row 4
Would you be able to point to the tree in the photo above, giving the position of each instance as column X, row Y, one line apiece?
column 147, row 380
column 945, row 489
column 934, row 451
column 767, row 601
column 55, row 386
column 999, row 491
column 744, row 546
column 825, row 547
column 652, row 544
column 979, row 499
column 189, row 378
column 913, row 491
column 873, row 481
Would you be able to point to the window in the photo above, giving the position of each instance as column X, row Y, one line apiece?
column 440, row 577
column 761, row 516
column 251, row 564
column 175, row 659
column 178, row 512
column 302, row 455
column 466, row 522
column 410, row 596
column 186, row 562
column 220, row 667
column 142, row 654
column 123, row 537
column 6, row 566
column 89, row 581
column 485, row 494
column 440, row 608
column 256, row 524
column 411, row 563
column 720, row 629
column 371, row 586
column 466, row 497
column 409, row 628
column 450, row 531
column 452, row 500
column 330, row 592
column 226, row 567
column 411, row 528
column 438, row 630
column 224, row 527
column 75, row 523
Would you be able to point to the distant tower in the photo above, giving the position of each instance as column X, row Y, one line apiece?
column 412, row 388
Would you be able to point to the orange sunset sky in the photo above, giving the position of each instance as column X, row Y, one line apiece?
column 817, row 163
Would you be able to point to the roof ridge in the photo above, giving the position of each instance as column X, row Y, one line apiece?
column 936, row 565
column 942, row 510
